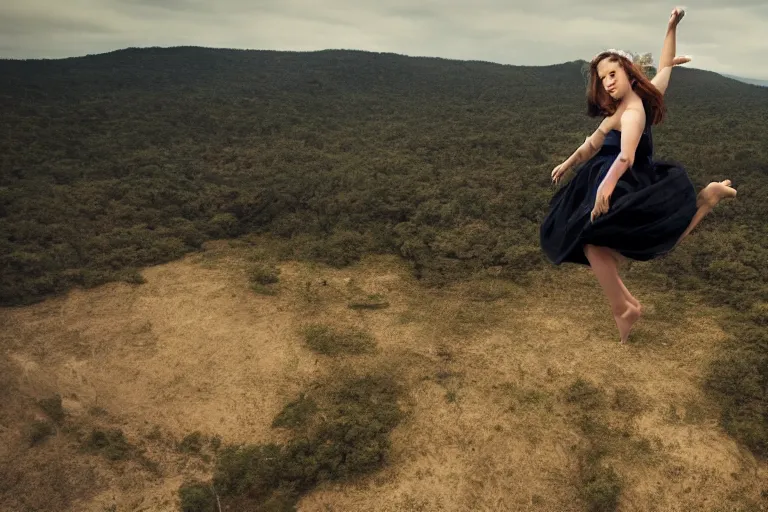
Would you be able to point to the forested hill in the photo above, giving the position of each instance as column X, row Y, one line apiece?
column 114, row 161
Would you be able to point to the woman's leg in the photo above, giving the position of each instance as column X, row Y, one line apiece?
column 604, row 261
column 603, row 265
column 618, row 258
column 707, row 200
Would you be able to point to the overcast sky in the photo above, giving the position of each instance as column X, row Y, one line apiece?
column 724, row 37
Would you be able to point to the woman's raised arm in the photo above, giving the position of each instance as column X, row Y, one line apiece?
column 668, row 60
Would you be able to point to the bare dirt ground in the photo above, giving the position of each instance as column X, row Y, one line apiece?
column 490, row 370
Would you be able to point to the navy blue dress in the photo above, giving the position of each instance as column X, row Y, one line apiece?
column 650, row 208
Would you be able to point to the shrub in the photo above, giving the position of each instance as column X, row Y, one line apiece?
column 197, row 497
column 328, row 341
column 584, row 393
column 38, row 431
column 342, row 434
column 52, row 408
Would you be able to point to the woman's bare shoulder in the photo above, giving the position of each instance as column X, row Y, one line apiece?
column 611, row 122
column 633, row 112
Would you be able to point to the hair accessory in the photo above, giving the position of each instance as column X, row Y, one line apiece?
column 614, row 51
column 643, row 61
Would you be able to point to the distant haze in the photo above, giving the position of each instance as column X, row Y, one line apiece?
column 726, row 38
column 763, row 83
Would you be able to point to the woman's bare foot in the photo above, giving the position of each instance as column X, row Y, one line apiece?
column 626, row 320
column 714, row 193
column 634, row 302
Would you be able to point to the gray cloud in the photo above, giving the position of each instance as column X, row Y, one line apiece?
column 43, row 23
column 723, row 37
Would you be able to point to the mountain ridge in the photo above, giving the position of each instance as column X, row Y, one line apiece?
column 746, row 80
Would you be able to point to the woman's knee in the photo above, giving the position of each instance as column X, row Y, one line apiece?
column 597, row 252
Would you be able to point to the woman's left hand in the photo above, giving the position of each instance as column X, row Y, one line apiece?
column 675, row 17
column 602, row 201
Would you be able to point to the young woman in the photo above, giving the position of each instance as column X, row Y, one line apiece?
column 622, row 203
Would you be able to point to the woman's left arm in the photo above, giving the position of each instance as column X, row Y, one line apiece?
column 668, row 60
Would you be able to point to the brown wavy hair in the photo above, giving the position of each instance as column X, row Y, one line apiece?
column 600, row 103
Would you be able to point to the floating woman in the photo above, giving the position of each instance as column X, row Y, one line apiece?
column 621, row 202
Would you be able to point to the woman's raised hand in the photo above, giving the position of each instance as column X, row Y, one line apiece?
column 675, row 17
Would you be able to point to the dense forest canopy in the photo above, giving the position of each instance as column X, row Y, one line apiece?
column 114, row 161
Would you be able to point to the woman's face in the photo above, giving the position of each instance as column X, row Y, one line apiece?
column 613, row 77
